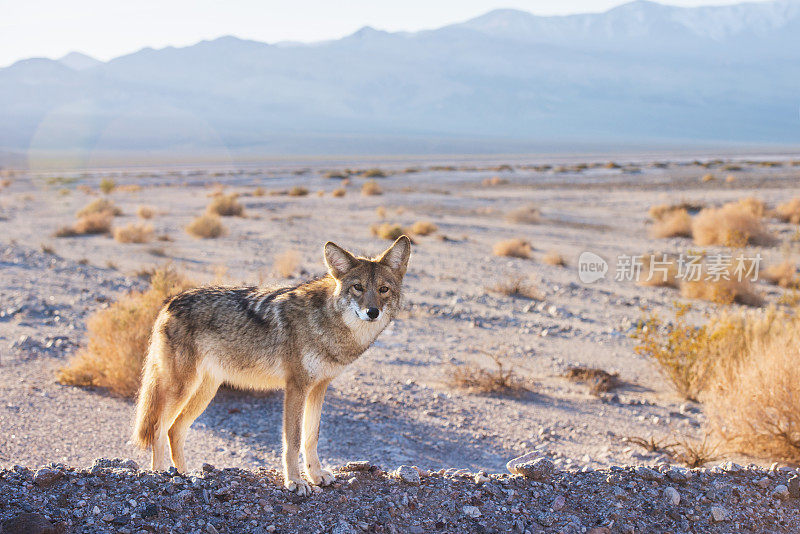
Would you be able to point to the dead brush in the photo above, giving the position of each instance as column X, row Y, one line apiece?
column 517, row 286
column 789, row 211
column 659, row 271
column 371, row 188
column 206, row 226
column 99, row 205
column 524, row 215
column 598, row 380
column 90, row 224
column 513, row 248
column 298, row 191
column 387, row 230
column 732, row 225
column 651, row 444
column 693, row 453
column 723, row 291
column 500, row 380
column 494, row 181
column 145, row 212
column 134, row 233
column 657, row 212
column 226, row 206
column 782, row 274
column 673, row 223
column 118, row 338
column 423, row 228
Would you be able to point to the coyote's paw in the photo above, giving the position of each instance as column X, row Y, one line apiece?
column 321, row 477
column 298, row 486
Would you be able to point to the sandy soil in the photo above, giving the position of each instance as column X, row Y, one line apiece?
column 393, row 406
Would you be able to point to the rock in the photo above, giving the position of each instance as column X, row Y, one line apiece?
column 672, row 495
column 679, row 475
column 343, row 527
column 150, row 510
column 764, row 482
column 780, row 492
column 794, row 486
column 481, row 478
column 361, row 465
column 558, row 503
column 648, row 474
column 28, row 523
column 471, row 511
column 46, row 477
column 539, row 468
column 208, row 468
column 718, row 514
column 408, row 474
column 730, row 467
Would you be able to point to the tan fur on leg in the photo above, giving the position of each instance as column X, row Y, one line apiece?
column 311, row 417
column 293, row 401
column 190, row 411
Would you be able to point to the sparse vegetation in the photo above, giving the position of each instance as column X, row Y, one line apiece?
column 371, row 188
column 782, row 274
column 722, row 291
column 387, row 230
column 513, row 248
column 659, row 271
column 423, row 228
column 286, row 263
column 118, row 337
column 732, row 225
column 107, row 185
column 206, row 226
column 789, row 211
column 554, row 258
column 134, row 233
column 339, row 192
column 99, row 205
column 707, row 178
column 494, row 180
column 501, row 379
column 145, row 212
column 598, row 380
column 298, row 191
column 673, row 223
column 517, row 286
column 226, row 206
column 524, row 215
column 374, row 173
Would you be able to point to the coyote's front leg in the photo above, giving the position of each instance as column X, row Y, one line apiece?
column 293, row 401
column 311, row 417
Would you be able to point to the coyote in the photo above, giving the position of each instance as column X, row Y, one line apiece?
column 299, row 338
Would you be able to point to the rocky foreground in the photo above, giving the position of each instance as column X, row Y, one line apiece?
column 116, row 496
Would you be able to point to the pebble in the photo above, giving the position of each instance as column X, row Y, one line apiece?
column 718, row 514
column 780, row 492
column 408, row 474
column 672, row 495
column 46, row 477
column 539, row 468
column 471, row 511
column 794, row 486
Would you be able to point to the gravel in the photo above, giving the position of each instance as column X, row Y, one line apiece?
column 116, row 496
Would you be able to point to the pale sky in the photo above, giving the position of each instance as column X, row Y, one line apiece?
column 109, row 28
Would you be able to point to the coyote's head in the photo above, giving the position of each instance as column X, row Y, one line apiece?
column 369, row 288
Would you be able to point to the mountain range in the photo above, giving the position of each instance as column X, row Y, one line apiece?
column 641, row 73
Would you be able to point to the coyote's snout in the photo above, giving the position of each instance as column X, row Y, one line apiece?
column 299, row 338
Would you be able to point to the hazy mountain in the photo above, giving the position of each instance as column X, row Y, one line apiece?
column 640, row 73
column 78, row 61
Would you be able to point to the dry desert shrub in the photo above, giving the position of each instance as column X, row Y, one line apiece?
column 554, row 258
column 380, row 211
column 732, row 225
column 782, row 274
column 723, row 291
column 387, row 230
column 673, row 223
column 513, row 248
column 107, row 185
column 335, row 175
column 134, row 233
column 659, row 270
column 754, row 404
column 340, row 192
column 206, row 226
column 99, row 205
column 789, row 211
column 145, row 212
column 374, row 173
column 494, row 180
column 90, row 224
column 500, row 380
column 525, row 215
column 286, row 263
column 730, row 179
column 118, row 338
column 658, row 211
column 692, row 453
column 752, row 205
column 226, row 206
column 517, row 286
column 259, row 192
column 298, row 191
column 371, row 188
column 598, row 380
column 423, row 228
column 707, row 178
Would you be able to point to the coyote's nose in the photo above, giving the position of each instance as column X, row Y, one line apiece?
column 373, row 313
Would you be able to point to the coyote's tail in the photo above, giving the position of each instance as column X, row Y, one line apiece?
column 149, row 404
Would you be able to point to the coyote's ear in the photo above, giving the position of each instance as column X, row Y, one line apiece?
column 396, row 256
column 338, row 260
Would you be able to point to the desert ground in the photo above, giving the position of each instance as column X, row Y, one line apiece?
column 396, row 405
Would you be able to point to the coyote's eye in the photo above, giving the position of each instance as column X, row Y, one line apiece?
column 383, row 289
column 358, row 287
